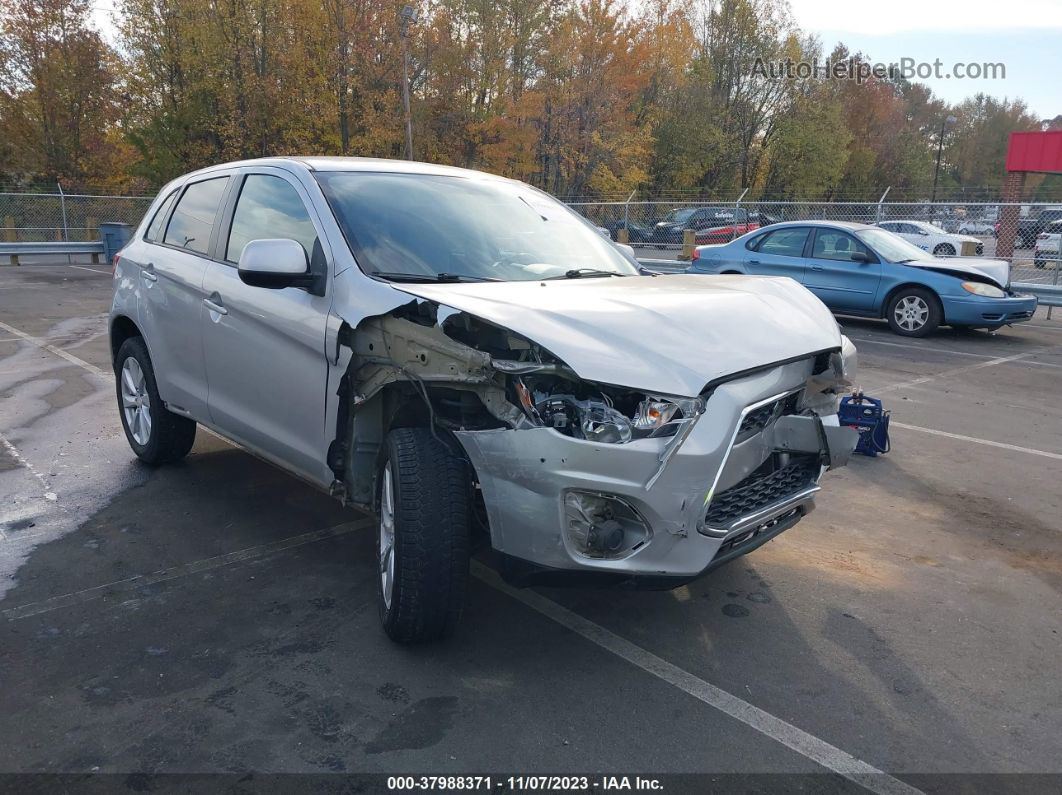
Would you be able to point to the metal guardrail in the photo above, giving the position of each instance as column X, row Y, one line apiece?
column 1047, row 294
column 113, row 235
column 13, row 250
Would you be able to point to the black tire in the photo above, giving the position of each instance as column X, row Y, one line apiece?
column 170, row 436
column 944, row 250
column 933, row 313
column 431, row 522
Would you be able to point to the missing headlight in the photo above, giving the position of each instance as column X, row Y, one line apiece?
column 600, row 413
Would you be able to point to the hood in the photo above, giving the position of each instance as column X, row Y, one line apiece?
column 995, row 270
column 664, row 334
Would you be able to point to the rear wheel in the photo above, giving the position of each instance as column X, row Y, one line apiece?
column 156, row 435
column 914, row 312
column 424, row 505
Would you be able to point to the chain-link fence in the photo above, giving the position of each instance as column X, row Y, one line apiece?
column 47, row 217
column 1026, row 235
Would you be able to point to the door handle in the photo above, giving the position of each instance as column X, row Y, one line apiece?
column 816, row 267
column 754, row 262
column 149, row 272
column 214, row 305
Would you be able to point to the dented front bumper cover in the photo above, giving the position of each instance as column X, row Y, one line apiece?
column 728, row 485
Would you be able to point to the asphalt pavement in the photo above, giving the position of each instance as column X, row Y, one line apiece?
column 218, row 615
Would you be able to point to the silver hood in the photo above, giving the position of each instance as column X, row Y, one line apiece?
column 664, row 334
column 996, row 270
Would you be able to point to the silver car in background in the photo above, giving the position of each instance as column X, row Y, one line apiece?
column 469, row 359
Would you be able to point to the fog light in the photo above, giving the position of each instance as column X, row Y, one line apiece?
column 602, row 526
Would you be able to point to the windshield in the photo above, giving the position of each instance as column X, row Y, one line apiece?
column 454, row 228
column 890, row 247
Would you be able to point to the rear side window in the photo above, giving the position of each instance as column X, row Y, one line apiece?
column 269, row 207
column 784, row 242
column 154, row 230
column 193, row 217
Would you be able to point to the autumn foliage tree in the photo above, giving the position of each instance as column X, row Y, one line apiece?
column 581, row 97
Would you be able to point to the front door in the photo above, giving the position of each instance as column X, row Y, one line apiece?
column 265, row 349
column 837, row 275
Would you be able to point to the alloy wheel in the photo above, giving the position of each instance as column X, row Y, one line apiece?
column 387, row 536
column 911, row 313
column 136, row 404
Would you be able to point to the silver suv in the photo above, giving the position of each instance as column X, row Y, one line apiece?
column 473, row 361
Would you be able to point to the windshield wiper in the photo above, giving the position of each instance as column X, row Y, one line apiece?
column 578, row 273
column 397, row 276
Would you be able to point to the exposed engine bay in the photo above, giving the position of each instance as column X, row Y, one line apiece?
column 424, row 363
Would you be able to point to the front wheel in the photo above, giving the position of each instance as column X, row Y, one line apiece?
column 157, row 435
column 424, row 497
column 944, row 250
column 914, row 312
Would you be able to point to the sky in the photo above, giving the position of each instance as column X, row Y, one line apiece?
column 1024, row 35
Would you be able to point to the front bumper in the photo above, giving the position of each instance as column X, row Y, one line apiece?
column 703, row 505
column 982, row 312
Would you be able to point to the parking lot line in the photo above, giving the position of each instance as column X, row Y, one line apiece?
column 975, row 440
column 53, row 349
column 918, row 347
column 819, row 751
column 957, row 370
column 93, row 270
column 174, row 572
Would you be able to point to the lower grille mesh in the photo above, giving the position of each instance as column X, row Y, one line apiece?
column 759, row 490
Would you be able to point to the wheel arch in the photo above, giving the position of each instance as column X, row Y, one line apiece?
column 883, row 309
column 123, row 328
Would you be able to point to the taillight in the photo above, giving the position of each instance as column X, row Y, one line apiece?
column 114, row 263
column 696, row 255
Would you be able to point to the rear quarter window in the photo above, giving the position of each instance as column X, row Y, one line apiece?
column 193, row 217
column 154, row 230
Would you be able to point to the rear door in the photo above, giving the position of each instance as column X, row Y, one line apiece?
column 173, row 264
column 834, row 276
column 265, row 349
column 780, row 253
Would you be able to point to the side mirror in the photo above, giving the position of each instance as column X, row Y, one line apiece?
column 859, row 256
column 275, row 264
column 923, row 233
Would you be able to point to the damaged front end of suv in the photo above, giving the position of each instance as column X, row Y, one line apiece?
column 502, row 375
column 590, row 455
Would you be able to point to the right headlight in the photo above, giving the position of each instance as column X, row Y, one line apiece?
column 658, row 416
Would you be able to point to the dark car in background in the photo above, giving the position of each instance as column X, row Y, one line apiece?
column 1030, row 228
column 712, row 224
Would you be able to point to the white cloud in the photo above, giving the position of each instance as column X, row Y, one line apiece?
column 898, row 16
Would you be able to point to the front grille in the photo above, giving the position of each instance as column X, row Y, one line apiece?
column 758, row 419
column 767, row 485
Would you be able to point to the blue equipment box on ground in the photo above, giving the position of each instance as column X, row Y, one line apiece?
column 866, row 416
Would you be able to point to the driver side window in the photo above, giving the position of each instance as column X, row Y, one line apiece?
column 834, row 245
column 270, row 207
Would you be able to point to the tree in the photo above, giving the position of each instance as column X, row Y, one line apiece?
column 58, row 95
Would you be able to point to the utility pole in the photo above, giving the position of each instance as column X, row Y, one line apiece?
column 406, row 17
column 940, row 147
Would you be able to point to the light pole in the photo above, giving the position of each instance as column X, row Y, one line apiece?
column 940, row 146
column 406, row 17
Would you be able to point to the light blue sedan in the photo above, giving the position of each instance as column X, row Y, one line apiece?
column 866, row 271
